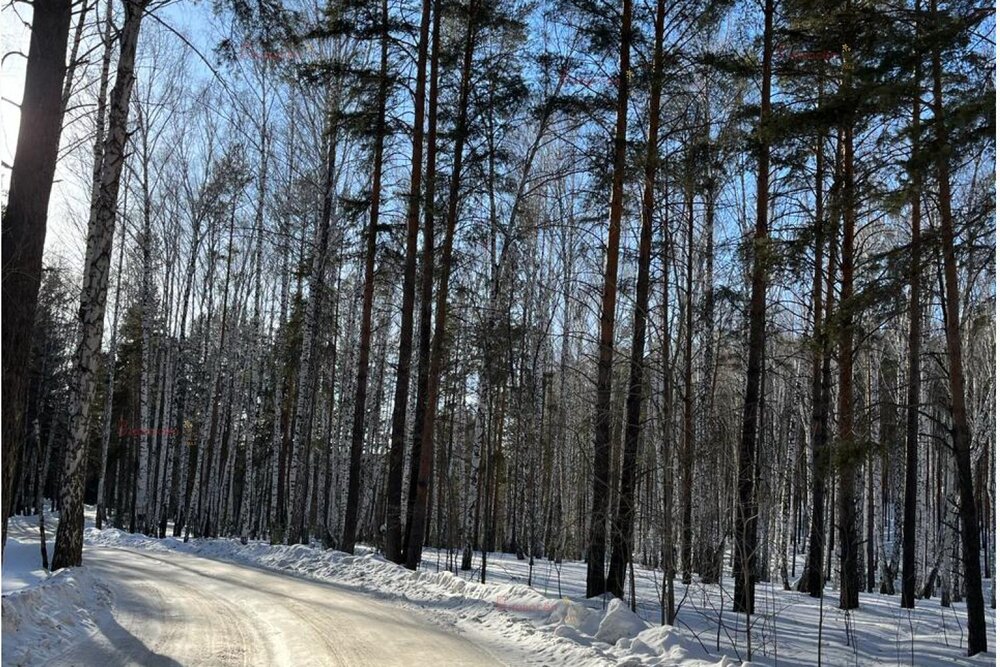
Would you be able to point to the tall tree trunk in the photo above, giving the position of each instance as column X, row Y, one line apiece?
column 909, row 575
column 848, row 445
column 438, row 351
column 210, row 360
column 98, row 153
column 813, row 574
column 364, row 349
column 298, row 528
column 25, row 217
column 182, row 499
column 596, row 584
column 706, row 429
column 101, row 228
column 667, row 454
column 394, row 483
column 833, row 256
column 961, row 435
column 621, row 526
column 746, row 507
column 146, row 370
column 108, row 399
column 426, row 278
column 687, row 425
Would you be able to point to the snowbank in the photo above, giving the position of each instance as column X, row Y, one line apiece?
column 22, row 565
column 552, row 632
column 42, row 620
column 619, row 622
column 44, row 614
column 551, row 623
column 784, row 633
column 663, row 643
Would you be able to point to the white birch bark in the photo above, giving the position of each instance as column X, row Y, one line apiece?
column 304, row 403
column 100, row 232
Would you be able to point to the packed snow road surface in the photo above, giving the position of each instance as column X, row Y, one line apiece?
column 178, row 609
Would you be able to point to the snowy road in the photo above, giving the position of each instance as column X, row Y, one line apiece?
column 178, row 609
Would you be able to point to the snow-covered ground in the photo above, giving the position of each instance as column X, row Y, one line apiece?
column 548, row 623
column 44, row 613
column 22, row 561
column 141, row 600
column 785, row 630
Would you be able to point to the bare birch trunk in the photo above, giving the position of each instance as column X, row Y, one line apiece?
column 69, row 536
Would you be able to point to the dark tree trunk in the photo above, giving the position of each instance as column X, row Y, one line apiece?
column 596, row 583
column 621, row 526
column 746, row 506
column 909, row 578
column 426, row 277
column 833, row 256
column 438, row 350
column 25, row 218
column 849, row 448
column 687, row 427
column 365, row 344
column 813, row 574
column 870, row 557
column 394, row 483
column 667, row 455
column 961, row 436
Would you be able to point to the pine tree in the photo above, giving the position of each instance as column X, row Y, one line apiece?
column 622, row 525
column 394, row 524
column 438, row 350
column 746, row 507
column 596, row 582
column 371, row 237
column 956, row 372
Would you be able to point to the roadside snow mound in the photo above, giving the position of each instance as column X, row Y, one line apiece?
column 600, row 631
column 40, row 619
column 22, row 565
column 669, row 648
column 574, row 619
column 619, row 622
